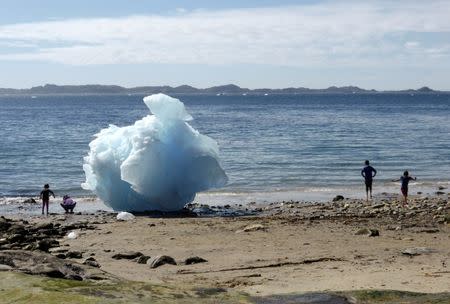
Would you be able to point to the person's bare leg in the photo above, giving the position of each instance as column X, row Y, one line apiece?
column 405, row 201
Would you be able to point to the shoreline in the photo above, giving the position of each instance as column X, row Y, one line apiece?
column 90, row 203
column 283, row 247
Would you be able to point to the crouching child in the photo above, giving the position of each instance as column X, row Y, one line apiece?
column 68, row 204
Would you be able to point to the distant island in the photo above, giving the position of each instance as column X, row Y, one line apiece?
column 230, row 89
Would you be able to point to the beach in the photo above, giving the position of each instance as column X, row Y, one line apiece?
column 277, row 248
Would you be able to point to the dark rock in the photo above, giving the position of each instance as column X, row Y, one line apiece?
column 42, row 226
column 429, row 230
column 76, row 226
column 127, row 255
column 58, row 250
column 377, row 206
column 338, row 198
column 209, row 291
column 311, row 298
column 29, row 201
column 368, row 232
column 440, row 193
column 91, row 262
column 30, row 246
column 13, row 238
column 74, row 255
column 16, row 229
column 194, row 260
column 143, row 259
column 46, row 244
column 41, row 263
column 441, row 188
column 48, row 232
column 161, row 260
column 4, row 224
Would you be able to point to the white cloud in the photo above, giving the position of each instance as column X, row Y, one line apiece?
column 343, row 33
column 412, row 44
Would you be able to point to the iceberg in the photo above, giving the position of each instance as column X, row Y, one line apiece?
column 159, row 163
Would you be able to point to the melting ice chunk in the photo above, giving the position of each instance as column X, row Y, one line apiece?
column 159, row 163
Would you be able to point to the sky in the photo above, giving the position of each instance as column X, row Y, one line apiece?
column 380, row 45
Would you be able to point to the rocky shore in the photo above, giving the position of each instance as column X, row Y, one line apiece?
column 253, row 251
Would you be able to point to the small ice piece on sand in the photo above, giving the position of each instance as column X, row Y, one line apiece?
column 72, row 235
column 125, row 216
column 159, row 163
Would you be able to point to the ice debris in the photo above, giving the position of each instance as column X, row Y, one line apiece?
column 125, row 216
column 159, row 163
column 72, row 235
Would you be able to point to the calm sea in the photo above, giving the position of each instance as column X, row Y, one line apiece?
column 282, row 146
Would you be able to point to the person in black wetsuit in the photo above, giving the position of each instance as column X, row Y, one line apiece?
column 366, row 172
column 45, row 196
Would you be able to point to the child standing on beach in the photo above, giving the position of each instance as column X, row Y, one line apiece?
column 45, row 196
column 405, row 181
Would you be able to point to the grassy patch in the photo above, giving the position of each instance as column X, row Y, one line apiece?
column 21, row 288
column 398, row 297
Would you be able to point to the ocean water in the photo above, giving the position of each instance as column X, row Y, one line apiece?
column 274, row 147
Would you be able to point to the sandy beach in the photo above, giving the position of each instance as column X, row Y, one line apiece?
column 282, row 248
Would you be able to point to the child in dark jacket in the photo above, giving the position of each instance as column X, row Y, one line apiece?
column 45, row 196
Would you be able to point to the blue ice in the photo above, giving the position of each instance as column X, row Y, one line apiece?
column 159, row 163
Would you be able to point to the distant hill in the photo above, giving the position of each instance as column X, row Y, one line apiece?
column 229, row 89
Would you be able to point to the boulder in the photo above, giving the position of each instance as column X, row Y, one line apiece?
column 377, row 206
column 129, row 255
column 74, row 255
column 46, row 244
column 42, row 226
column 4, row 223
column 29, row 201
column 194, row 260
column 14, row 238
column 142, row 259
column 42, row 263
column 368, row 232
column 91, row 262
column 338, row 198
column 161, row 260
